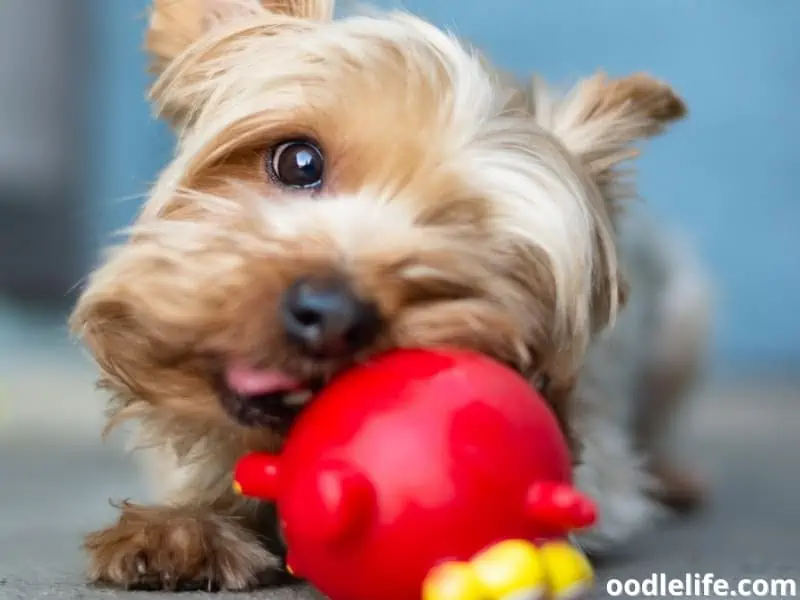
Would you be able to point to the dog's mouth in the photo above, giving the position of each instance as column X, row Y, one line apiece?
column 263, row 397
column 256, row 397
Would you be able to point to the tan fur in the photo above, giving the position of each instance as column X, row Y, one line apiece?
column 172, row 547
column 177, row 24
column 471, row 216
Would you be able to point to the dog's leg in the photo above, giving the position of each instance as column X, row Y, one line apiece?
column 665, row 389
column 679, row 339
column 609, row 469
column 614, row 476
column 199, row 538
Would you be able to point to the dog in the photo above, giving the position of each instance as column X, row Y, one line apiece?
column 344, row 186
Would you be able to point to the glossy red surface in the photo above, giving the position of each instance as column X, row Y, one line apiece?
column 416, row 457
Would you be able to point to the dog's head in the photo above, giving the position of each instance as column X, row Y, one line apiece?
column 346, row 186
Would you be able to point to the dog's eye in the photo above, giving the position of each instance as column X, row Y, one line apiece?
column 297, row 164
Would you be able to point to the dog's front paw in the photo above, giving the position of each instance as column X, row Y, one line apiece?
column 178, row 548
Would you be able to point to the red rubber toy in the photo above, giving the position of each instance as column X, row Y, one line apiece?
column 436, row 474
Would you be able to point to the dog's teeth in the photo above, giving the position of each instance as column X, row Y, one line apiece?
column 297, row 398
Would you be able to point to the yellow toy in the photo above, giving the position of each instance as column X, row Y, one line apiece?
column 514, row 570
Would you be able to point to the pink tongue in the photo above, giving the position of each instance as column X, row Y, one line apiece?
column 248, row 381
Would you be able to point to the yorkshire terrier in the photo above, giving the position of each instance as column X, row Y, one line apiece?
column 345, row 186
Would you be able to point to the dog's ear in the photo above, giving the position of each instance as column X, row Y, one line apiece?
column 601, row 118
column 176, row 24
column 599, row 122
column 184, row 63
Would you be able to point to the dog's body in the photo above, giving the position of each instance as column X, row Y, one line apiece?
column 634, row 380
column 344, row 187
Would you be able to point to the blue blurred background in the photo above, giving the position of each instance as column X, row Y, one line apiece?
column 73, row 80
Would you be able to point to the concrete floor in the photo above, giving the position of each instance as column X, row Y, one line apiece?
column 56, row 479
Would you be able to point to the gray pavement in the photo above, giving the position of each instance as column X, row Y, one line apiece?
column 56, row 479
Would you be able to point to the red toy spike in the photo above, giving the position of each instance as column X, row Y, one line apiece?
column 560, row 506
column 257, row 476
column 338, row 501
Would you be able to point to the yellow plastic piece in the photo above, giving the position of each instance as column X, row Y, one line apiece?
column 453, row 581
column 237, row 488
column 514, row 570
column 569, row 572
column 511, row 569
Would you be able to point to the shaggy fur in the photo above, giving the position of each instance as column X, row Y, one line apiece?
column 469, row 210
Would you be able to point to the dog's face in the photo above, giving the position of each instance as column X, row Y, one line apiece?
column 344, row 187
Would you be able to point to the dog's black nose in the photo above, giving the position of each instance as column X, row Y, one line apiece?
column 326, row 318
